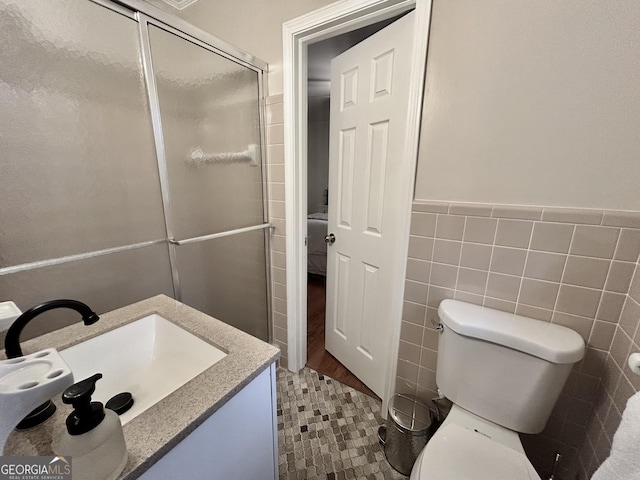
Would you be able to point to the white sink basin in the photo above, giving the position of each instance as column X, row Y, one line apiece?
column 150, row 358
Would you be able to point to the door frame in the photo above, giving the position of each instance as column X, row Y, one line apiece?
column 297, row 34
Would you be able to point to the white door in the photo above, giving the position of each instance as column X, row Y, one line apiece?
column 369, row 105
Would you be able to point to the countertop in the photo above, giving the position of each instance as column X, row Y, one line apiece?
column 154, row 432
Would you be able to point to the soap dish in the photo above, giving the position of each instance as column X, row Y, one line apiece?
column 28, row 381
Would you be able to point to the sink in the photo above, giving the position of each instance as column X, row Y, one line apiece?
column 150, row 358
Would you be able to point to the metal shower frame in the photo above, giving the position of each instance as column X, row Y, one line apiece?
column 145, row 14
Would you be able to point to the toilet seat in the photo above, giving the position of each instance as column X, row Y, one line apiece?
column 467, row 447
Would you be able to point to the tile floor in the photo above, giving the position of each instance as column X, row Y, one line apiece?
column 327, row 430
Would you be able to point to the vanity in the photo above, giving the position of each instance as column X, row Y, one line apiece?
column 220, row 424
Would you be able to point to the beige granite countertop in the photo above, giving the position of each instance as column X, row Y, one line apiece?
column 157, row 430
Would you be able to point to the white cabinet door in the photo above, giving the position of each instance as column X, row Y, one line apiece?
column 239, row 441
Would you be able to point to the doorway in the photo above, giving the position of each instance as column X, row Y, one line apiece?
column 298, row 35
column 320, row 55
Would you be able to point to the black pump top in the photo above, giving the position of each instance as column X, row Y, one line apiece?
column 86, row 414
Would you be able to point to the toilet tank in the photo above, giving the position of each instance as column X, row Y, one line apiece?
column 506, row 368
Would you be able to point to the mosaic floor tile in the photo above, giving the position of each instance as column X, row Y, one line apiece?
column 327, row 430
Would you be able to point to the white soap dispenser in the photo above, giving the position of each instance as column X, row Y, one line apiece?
column 94, row 438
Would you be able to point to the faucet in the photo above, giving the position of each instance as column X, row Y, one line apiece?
column 12, row 348
column 12, row 340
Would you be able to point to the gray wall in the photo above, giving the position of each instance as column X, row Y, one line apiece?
column 532, row 103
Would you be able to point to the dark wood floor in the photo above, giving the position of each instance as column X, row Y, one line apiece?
column 317, row 357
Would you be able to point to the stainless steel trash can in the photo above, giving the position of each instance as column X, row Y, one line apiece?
column 409, row 426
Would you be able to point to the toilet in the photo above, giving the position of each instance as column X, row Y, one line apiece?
column 503, row 373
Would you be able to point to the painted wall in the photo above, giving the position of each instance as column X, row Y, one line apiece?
column 532, row 103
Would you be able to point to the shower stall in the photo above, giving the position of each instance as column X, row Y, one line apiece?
column 131, row 163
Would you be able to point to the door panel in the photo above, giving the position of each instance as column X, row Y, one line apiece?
column 349, row 90
column 343, row 293
column 346, row 162
column 382, row 74
column 376, row 165
column 369, row 105
column 369, row 306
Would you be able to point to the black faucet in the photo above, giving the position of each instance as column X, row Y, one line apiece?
column 12, row 348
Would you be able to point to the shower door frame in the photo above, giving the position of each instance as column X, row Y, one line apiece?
column 146, row 14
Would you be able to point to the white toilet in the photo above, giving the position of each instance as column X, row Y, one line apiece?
column 503, row 373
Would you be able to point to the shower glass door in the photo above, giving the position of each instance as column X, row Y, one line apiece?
column 209, row 111
column 118, row 183
column 80, row 215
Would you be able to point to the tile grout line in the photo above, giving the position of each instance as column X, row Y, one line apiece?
column 464, row 229
column 524, row 268
column 493, row 245
column 606, row 280
column 426, row 310
column 564, row 269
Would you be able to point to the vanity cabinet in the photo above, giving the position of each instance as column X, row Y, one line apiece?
column 221, row 424
column 239, row 441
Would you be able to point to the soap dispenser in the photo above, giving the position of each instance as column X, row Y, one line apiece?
column 94, row 438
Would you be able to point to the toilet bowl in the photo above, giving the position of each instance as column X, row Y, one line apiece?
column 468, row 447
column 503, row 373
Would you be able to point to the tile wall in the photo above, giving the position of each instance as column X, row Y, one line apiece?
column 577, row 268
column 617, row 384
column 570, row 267
column 275, row 160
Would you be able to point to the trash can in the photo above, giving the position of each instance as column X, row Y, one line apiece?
column 409, row 426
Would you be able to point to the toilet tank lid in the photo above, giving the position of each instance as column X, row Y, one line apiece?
column 551, row 342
